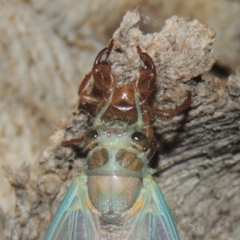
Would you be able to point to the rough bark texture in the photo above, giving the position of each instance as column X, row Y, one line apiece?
column 200, row 147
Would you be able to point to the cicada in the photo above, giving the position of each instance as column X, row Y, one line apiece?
column 115, row 196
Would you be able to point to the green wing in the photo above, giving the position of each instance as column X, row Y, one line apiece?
column 73, row 219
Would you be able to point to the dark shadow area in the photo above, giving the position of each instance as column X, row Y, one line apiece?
column 220, row 71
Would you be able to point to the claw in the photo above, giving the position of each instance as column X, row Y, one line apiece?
column 147, row 80
column 102, row 70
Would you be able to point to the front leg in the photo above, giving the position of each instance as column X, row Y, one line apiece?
column 83, row 95
column 103, row 79
column 147, row 80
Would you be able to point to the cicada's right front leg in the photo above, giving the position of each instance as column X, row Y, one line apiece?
column 103, row 79
column 88, row 97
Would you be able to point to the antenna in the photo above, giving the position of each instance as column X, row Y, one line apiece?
column 98, row 120
column 139, row 125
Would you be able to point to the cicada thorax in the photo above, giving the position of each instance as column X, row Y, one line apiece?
column 112, row 196
column 115, row 169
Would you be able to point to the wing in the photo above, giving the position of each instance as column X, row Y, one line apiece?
column 153, row 221
column 73, row 219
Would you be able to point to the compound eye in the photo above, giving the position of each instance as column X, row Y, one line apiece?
column 140, row 139
column 90, row 136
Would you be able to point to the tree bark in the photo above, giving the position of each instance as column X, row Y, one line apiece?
column 199, row 147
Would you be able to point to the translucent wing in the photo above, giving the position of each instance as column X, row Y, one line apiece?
column 151, row 220
column 73, row 219
column 154, row 220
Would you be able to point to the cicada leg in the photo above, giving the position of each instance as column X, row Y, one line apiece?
column 171, row 113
